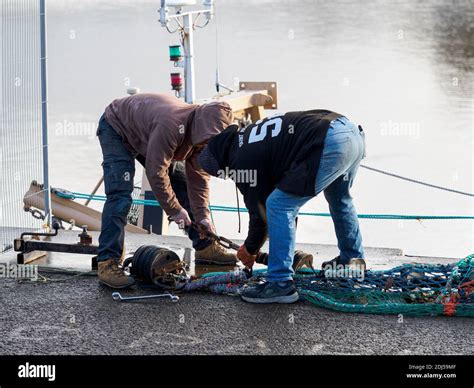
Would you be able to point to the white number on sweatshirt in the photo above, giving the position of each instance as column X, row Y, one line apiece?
column 259, row 132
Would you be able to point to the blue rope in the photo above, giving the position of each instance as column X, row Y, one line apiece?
column 220, row 208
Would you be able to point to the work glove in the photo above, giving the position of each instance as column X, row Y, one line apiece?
column 245, row 257
column 182, row 218
column 207, row 223
column 207, row 226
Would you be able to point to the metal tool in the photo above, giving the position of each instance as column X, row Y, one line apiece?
column 118, row 296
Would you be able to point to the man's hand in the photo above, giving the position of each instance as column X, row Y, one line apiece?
column 207, row 225
column 182, row 218
column 245, row 257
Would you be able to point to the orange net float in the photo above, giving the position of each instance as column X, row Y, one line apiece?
column 449, row 304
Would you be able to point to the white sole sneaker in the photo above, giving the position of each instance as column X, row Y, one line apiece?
column 277, row 299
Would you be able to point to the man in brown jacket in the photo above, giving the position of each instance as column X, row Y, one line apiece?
column 157, row 130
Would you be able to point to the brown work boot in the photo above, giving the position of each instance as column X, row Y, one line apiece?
column 216, row 255
column 112, row 275
column 302, row 259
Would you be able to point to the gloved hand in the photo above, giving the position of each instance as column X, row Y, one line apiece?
column 245, row 257
column 182, row 218
column 207, row 223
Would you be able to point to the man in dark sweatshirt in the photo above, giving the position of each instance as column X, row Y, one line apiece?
column 291, row 158
column 157, row 130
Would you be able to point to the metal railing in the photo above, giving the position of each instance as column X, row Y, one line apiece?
column 23, row 114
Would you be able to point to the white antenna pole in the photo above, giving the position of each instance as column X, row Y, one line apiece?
column 188, row 46
column 186, row 29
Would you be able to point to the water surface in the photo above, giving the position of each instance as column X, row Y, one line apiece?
column 402, row 69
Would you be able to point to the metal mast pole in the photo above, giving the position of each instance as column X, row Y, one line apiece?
column 188, row 45
column 186, row 30
column 44, row 115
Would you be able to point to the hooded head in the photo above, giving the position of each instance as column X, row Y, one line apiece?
column 210, row 120
column 216, row 155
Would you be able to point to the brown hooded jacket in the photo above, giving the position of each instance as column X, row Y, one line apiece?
column 161, row 128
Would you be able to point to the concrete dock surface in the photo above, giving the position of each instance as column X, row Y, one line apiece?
column 77, row 316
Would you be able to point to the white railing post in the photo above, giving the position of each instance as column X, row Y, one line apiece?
column 44, row 115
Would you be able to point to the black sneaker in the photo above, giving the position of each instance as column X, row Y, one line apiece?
column 272, row 292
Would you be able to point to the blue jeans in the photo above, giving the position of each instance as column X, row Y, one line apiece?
column 119, row 172
column 344, row 148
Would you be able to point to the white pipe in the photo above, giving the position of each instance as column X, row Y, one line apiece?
column 188, row 45
column 67, row 210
